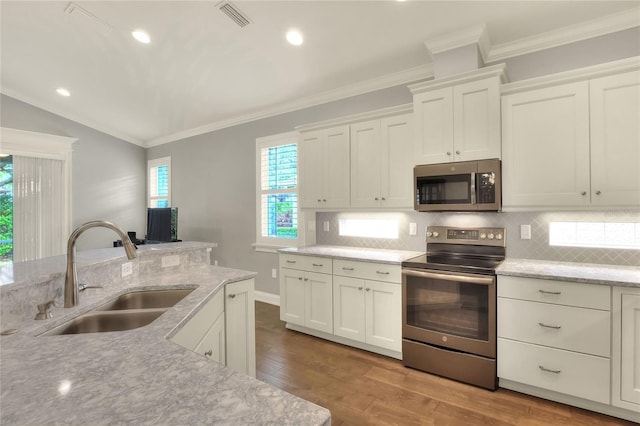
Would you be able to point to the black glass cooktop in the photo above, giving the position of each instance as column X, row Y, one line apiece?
column 458, row 258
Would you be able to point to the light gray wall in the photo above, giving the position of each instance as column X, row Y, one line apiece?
column 109, row 174
column 213, row 180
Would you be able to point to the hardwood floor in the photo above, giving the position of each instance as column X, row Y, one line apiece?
column 362, row 388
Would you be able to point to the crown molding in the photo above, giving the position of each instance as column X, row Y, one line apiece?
column 566, row 35
column 499, row 71
column 580, row 74
column 57, row 111
column 475, row 34
column 403, row 77
column 365, row 116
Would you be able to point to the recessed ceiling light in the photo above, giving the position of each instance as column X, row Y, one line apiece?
column 63, row 92
column 294, row 37
column 141, row 36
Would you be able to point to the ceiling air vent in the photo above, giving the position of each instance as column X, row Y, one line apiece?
column 232, row 12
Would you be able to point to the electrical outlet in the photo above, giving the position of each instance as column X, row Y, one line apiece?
column 413, row 229
column 173, row 260
column 325, row 226
column 127, row 269
column 274, row 273
column 525, row 232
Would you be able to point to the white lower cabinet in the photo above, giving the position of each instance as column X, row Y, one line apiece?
column 367, row 311
column 626, row 349
column 563, row 341
column 224, row 328
column 305, row 295
column 555, row 335
column 349, row 302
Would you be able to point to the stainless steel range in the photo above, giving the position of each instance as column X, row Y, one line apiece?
column 449, row 304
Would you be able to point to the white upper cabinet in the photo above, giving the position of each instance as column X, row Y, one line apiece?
column 546, row 146
column 458, row 118
column 381, row 169
column 573, row 144
column 615, row 139
column 323, row 157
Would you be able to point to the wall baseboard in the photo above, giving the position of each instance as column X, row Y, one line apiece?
column 270, row 298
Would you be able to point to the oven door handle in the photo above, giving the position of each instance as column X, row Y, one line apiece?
column 446, row 277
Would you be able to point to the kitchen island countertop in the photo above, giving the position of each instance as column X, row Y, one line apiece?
column 137, row 376
column 625, row 276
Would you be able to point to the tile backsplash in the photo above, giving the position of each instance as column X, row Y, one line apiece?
column 536, row 248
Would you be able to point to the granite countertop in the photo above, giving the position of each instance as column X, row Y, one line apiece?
column 394, row 257
column 136, row 376
column 626, row 276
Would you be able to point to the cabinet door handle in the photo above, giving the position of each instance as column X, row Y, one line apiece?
column 598, row 192
column 376, row 198
column 300, row 278
column 319, row 200
column 548, row 370
column 556, row 327
column 448, row 153
column 291, row 261
column 324, row 201
column 549, row 292
column 583, row 193
column 458, row 152
column 344, row 268
column 367, row 289
column 232, row 296
column 306, row 279
column 208, row 353
column 319, row 265
column 384, row 199
column 382, row 273
column 360, row 288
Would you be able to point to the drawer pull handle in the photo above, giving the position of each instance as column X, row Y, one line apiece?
column 208, row 353
column 319, row 265
column 291, row 261
column 344, row 268
column 548, row 370
column 549, row 292
column 232, row 296
column 382, row 273
column 556, row 327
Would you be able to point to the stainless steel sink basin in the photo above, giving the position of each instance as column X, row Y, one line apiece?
column 149, row 299
column 103, row 321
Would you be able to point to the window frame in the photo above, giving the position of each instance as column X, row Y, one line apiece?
column 158, row 162
column 272, row 244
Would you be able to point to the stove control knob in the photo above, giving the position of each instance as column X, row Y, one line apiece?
column 436, row 234
column 429, row 234
column 483, row 236
column 490, row 236
column 499, row 236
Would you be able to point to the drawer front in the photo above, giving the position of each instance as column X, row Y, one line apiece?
column 584, row 376
column 558, row 292
column 565, row 327
column 306, row 263
column 367, row 270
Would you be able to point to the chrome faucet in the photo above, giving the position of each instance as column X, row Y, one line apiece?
column 71, row 279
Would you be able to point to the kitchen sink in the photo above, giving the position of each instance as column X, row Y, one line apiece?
column 103, row 321
column 146, row 299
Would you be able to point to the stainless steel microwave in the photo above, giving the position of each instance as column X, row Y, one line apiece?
column 461, row 186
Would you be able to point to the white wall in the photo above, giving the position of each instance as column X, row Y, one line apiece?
column 109, row 175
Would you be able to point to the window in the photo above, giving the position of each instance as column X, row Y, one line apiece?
column 36, row 194
column 277, row 190
column 159, row 179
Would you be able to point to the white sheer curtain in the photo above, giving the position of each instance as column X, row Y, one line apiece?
column 38, row 208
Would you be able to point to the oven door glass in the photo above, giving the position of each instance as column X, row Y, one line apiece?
column 450, row 310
